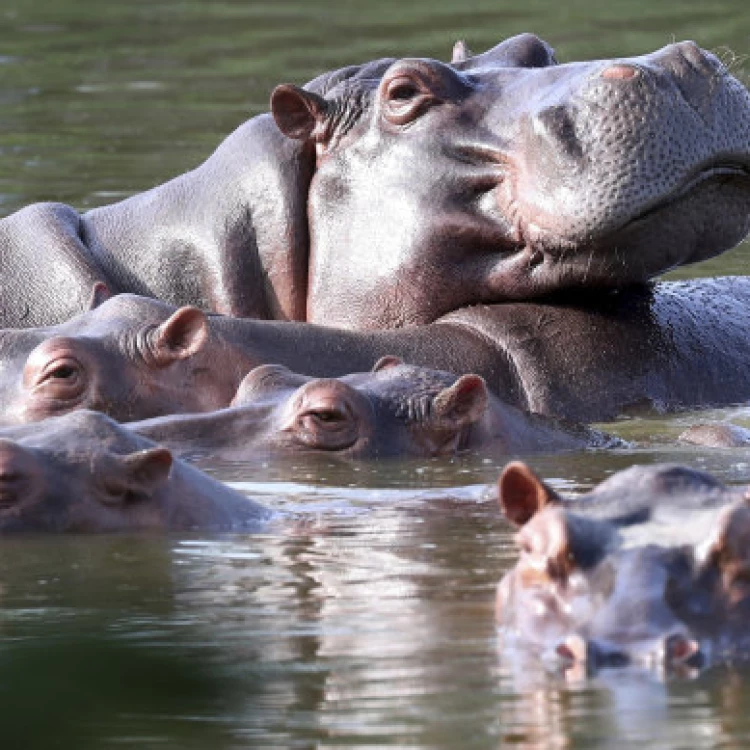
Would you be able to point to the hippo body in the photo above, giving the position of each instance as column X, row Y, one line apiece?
column 627, row 573
column 395, row 410
column 505, row 173
column 674, row 345
column 82, row 472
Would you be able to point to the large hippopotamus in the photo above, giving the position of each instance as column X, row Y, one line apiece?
column 82, row 472
column 650, row 567
column 395, row 192
column 675, row 345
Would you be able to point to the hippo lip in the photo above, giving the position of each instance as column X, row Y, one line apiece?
column 537, row 238
column 692, row 183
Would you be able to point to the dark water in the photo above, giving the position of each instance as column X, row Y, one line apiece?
column 363, row 618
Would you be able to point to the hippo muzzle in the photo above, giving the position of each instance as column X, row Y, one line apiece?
column 632, row 167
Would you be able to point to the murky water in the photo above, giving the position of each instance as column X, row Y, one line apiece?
column 363, row 617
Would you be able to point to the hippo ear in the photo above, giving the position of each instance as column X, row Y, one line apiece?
column 298, row 113
column 462, row 403
column 461, row 52
column 386, row 362
column 99, row 293
column 727, row 550
column 180, row 337
column 521, row 51
column 131, row 477
column 522, row 494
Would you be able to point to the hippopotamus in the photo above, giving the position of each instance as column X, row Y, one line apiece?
column 674, row 345
column 626, row 574
column 395, row 410
column 83, row 472
column 397, row 191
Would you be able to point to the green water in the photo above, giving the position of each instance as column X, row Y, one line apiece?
column 364, row 617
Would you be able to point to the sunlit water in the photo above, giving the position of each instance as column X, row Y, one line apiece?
column 364, row 615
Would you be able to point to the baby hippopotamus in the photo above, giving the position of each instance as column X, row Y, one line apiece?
column 394, row 410
column 627, row 573
column 82, row 472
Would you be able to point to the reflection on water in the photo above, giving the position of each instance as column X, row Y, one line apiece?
column 364, row 616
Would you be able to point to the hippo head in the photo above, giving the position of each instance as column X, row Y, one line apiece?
column 131, row 357
column 394, row 410
column 509, row 176
column 83, row 472
column 581, row 596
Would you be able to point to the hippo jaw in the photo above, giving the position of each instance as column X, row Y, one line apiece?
column 508, row 176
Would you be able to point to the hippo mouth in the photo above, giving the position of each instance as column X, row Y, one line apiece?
column 717, row 171
column 708, row 213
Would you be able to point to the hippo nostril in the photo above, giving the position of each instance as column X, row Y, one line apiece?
column 620, row 72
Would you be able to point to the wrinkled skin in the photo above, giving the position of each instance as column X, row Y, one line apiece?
column 525, row 177
column 82, row 472
column 615, row 578
column 394, row 411
column 505, row 173
column 678, row 345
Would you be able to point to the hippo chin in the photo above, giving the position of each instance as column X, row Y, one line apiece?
column 394, row 192
column 395, row 410
column 82, row 472
column 627, row 574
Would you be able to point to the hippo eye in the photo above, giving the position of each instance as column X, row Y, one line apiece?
column 405, row 98
column 63, row 372
column 65, row 369
column 326, row 428
column 402, row 89
column 327, row 416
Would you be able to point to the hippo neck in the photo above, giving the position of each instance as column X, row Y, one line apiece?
column 251, row 264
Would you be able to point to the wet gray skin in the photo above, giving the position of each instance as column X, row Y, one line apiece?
column 625, row 574
column 83, row 472
column 395, row 410
column 410, row 188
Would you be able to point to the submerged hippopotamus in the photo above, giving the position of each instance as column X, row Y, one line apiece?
column 676, row 345
column 394, row 192
column 395, row 410
column 83, row 472
column 627, row 573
